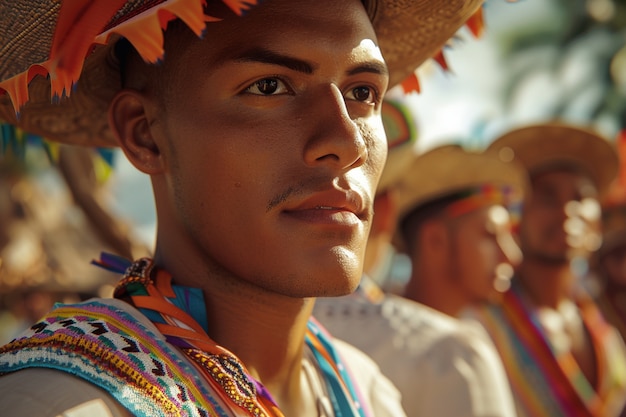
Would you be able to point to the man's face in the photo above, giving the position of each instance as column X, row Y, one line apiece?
column 561, row 218
column 276, row 144
column 483, row 250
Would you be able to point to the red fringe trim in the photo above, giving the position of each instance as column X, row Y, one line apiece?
column 476, row 23
column 411, row 84
column 79, row 27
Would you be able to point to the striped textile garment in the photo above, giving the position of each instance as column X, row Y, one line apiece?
column 151, row 353
column 548, row 383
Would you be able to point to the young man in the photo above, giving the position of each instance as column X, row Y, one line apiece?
column 456, row 225
column 264, row 145
column 441, row 365
column 562, row 358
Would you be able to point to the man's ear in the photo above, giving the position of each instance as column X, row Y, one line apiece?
column 128, row 118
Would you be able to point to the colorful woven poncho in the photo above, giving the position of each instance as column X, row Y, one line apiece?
column 154, row 357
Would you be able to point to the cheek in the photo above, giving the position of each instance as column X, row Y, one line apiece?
column 376, row 144
column 482, row 255
column 531, row 226
column 469, row 252
column 221, row 181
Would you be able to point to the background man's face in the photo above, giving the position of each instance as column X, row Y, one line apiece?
column 482, row 243
column 613, row 265
column 561, row 218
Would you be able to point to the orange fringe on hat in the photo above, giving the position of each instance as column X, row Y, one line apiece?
column 475, row 24
column 80, row 26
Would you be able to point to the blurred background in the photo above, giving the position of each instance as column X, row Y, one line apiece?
column 536, row 60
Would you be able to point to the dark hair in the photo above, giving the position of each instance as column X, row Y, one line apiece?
column 126, row 56
column 121, row 51
column 412, row 222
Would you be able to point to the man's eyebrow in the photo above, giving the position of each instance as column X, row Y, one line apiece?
column 265, row 56
column 374, row 67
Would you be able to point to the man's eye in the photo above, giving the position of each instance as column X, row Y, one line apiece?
column 267, row 86
column 362, row 93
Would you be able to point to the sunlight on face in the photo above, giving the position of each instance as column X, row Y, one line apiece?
column 499, row 223
column 367, row 49
column 582, row 222
column 504, row 273
column 498, row 217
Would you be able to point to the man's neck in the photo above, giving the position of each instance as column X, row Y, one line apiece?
column 546, row 284
column 266, row 331
column 267, row 339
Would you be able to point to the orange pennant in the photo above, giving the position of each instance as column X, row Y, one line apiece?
column 78, row 24
column 411, row 84
column 240, row 6
column 441, row 60
column 476, row 23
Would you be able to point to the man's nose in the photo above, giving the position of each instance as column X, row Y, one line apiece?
column 336, row 139
column 510, row 251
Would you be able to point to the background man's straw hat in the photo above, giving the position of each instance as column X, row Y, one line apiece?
column 450, row 169
column 541, row 146
column 41, row 37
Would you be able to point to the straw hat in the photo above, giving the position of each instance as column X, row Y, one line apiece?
column 450, row 169
column 41, row 37
column 541, row 146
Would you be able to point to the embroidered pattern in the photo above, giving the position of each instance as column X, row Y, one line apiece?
column 229, row 374
column 110, row 348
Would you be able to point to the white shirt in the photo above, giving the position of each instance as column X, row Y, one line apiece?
column 442, row 366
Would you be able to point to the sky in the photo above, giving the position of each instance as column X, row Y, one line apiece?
column 487, row 92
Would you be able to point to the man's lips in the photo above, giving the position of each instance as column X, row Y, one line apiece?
column 332, row 207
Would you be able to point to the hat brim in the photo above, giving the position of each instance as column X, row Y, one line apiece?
column 539, row 147
column 450, row 169
column 409, row 32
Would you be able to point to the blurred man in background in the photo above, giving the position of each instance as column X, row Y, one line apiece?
column 562, row 358
column 456, row 211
